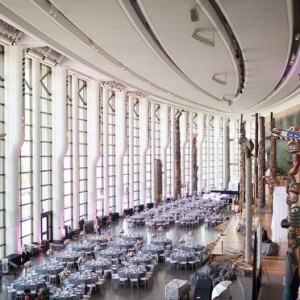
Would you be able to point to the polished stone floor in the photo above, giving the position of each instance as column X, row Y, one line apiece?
column 202, row 234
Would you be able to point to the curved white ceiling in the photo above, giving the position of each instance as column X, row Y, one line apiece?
column 129, row 55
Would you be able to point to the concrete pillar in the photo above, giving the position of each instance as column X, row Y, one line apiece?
column 183, row 142
column 173, row 187
column 200, row 137
column 93, row 141
column 75, row 121
column 36, row 146
column 164, row 142
column 121, row 147
column 59, row 140
column 105, row 151
column 14, row 112
column 144, row 144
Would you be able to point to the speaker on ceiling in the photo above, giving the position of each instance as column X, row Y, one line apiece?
column 194, row 12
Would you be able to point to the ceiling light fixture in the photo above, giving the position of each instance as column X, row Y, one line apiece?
column 194, row 13
column 95, row 47
column 53, row 11
column 293, row 58
column 202, row 39
column 216, row 78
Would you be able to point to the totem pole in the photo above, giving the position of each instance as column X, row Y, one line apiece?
column 177, row 154
column 292, row 222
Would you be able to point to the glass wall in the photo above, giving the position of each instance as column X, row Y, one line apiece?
column 25, row 160
column 82, row 153
column 46, row 137
column 2, row 156
column 111, row 151
column 99, row 168
column 68, row 161
column 136, row 153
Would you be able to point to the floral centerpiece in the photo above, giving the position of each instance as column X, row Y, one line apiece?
column 81, row 260
column 49, row 252
column 138, row 244
column 131, row 254
column 63, row 274
column 97, row 248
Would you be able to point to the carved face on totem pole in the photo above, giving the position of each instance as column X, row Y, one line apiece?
column 292, row 199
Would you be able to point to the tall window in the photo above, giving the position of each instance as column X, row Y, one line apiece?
column 187, row 156
column 68, row 160
column 204, row 154
column 25, row 159
column 111, row 151
column 148, row 157
column 211, row 145
column 126, row 159
column 236, row 171
column 2, row 157
column 195, row 152
column 157, row 131
column 82, row 152
column 169, row 158
column 99, row 168
column 221, row 156
column 46, row 137
column 136, row 153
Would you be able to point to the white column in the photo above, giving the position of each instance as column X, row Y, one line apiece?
column 200, row 137
column 130, row 148
column 153, row 150
column 248, row 208
column 248, row 195
column 144, row 144
column 164, row 142
column 75, row 151
column 173, row 153
column 93, row 141
column 121, row 147
column 59, row 140
column 13, row 143
column 217, row 130
column 105, row 152
column 36, row 152
column 183, row 141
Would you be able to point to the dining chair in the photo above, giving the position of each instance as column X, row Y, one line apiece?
column 123, row 279
column 146, row 279
column 100, row 286
column 88, row 294
column 134, row 279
